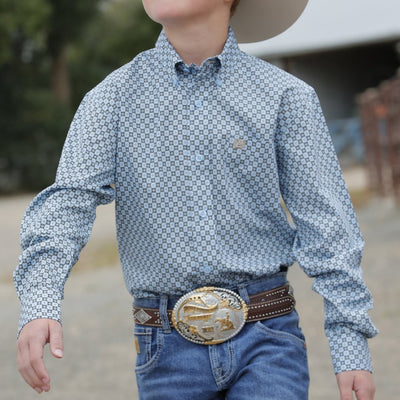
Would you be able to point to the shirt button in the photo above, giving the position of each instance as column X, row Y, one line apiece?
column 198, row 103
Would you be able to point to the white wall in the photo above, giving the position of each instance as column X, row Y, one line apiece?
column 328, row 24
column 338, row 76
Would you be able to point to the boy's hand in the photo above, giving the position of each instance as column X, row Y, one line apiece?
column 32, row 339
column 361, row 382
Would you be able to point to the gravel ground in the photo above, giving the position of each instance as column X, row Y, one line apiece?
column 99, row 353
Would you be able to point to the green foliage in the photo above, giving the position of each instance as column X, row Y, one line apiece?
column 67, row 21
column 100, row 35
column 119, row 33
column 22, row 63
column 22, row 27
column 34, row 141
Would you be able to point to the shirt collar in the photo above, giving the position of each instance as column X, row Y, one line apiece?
column 169, row 59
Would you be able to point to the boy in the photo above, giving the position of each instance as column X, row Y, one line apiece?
column 196, row 141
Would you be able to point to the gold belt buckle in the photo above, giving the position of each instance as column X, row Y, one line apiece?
column 209, row 315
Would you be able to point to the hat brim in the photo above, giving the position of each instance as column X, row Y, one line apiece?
column 256, row 20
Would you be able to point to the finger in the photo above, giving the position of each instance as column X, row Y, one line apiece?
column 56, row 339
column 25, row 368
column 364, row 386
column 364, row 395
column 346, row 394
column 345, row 384
column 37, row 364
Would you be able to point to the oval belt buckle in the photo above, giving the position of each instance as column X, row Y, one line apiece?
column 209, row 315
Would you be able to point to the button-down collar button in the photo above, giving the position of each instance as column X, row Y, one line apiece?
column 179, row 66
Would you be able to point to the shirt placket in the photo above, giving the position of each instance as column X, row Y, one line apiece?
column 200, row 206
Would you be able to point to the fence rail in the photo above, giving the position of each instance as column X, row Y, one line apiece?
column 380, row 120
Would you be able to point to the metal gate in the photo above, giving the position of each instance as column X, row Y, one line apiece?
column 380, row 119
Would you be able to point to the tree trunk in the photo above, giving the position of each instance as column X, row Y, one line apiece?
column 60, row 79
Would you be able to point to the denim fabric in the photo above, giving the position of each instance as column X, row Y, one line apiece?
column 267, row 360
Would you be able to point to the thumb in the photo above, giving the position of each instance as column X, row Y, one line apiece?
column 56, row 339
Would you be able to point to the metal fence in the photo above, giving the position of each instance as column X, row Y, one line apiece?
column 380, row 119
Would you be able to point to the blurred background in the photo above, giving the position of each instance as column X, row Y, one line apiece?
column 53, row 51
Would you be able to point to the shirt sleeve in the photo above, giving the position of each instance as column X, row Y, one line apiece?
column 58, row 222
column 328, row 243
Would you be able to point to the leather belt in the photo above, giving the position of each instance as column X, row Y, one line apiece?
column 270, row 304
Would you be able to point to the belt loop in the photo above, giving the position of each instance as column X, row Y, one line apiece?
column 166, row 327
column 244, row 294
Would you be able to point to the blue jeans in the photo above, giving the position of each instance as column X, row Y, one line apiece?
column 267, row 360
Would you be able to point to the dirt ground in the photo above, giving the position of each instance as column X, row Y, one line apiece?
column 99, row 352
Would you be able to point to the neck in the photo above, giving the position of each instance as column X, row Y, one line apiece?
column 197, row 42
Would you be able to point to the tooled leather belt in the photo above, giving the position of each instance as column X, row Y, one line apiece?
column 212, row 315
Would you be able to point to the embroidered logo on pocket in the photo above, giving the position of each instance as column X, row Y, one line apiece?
column 239, row 143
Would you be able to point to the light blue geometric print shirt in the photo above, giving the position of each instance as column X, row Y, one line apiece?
column 197, row 159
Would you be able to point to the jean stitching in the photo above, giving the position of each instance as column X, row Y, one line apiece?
column 220, row 377
column 280, row 334
column 216, row 370
column 148, row 347
column 228, row 375
column 151, row 363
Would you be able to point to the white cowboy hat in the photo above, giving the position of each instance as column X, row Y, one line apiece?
column 256, row 20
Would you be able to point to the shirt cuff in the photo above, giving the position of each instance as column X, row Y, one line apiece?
column 40, row 303
column 349, row 350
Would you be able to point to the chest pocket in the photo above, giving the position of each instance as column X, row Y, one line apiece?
column 244, row 153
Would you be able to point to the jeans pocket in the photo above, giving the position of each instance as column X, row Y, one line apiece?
column 283, row 327
column 148, row 343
